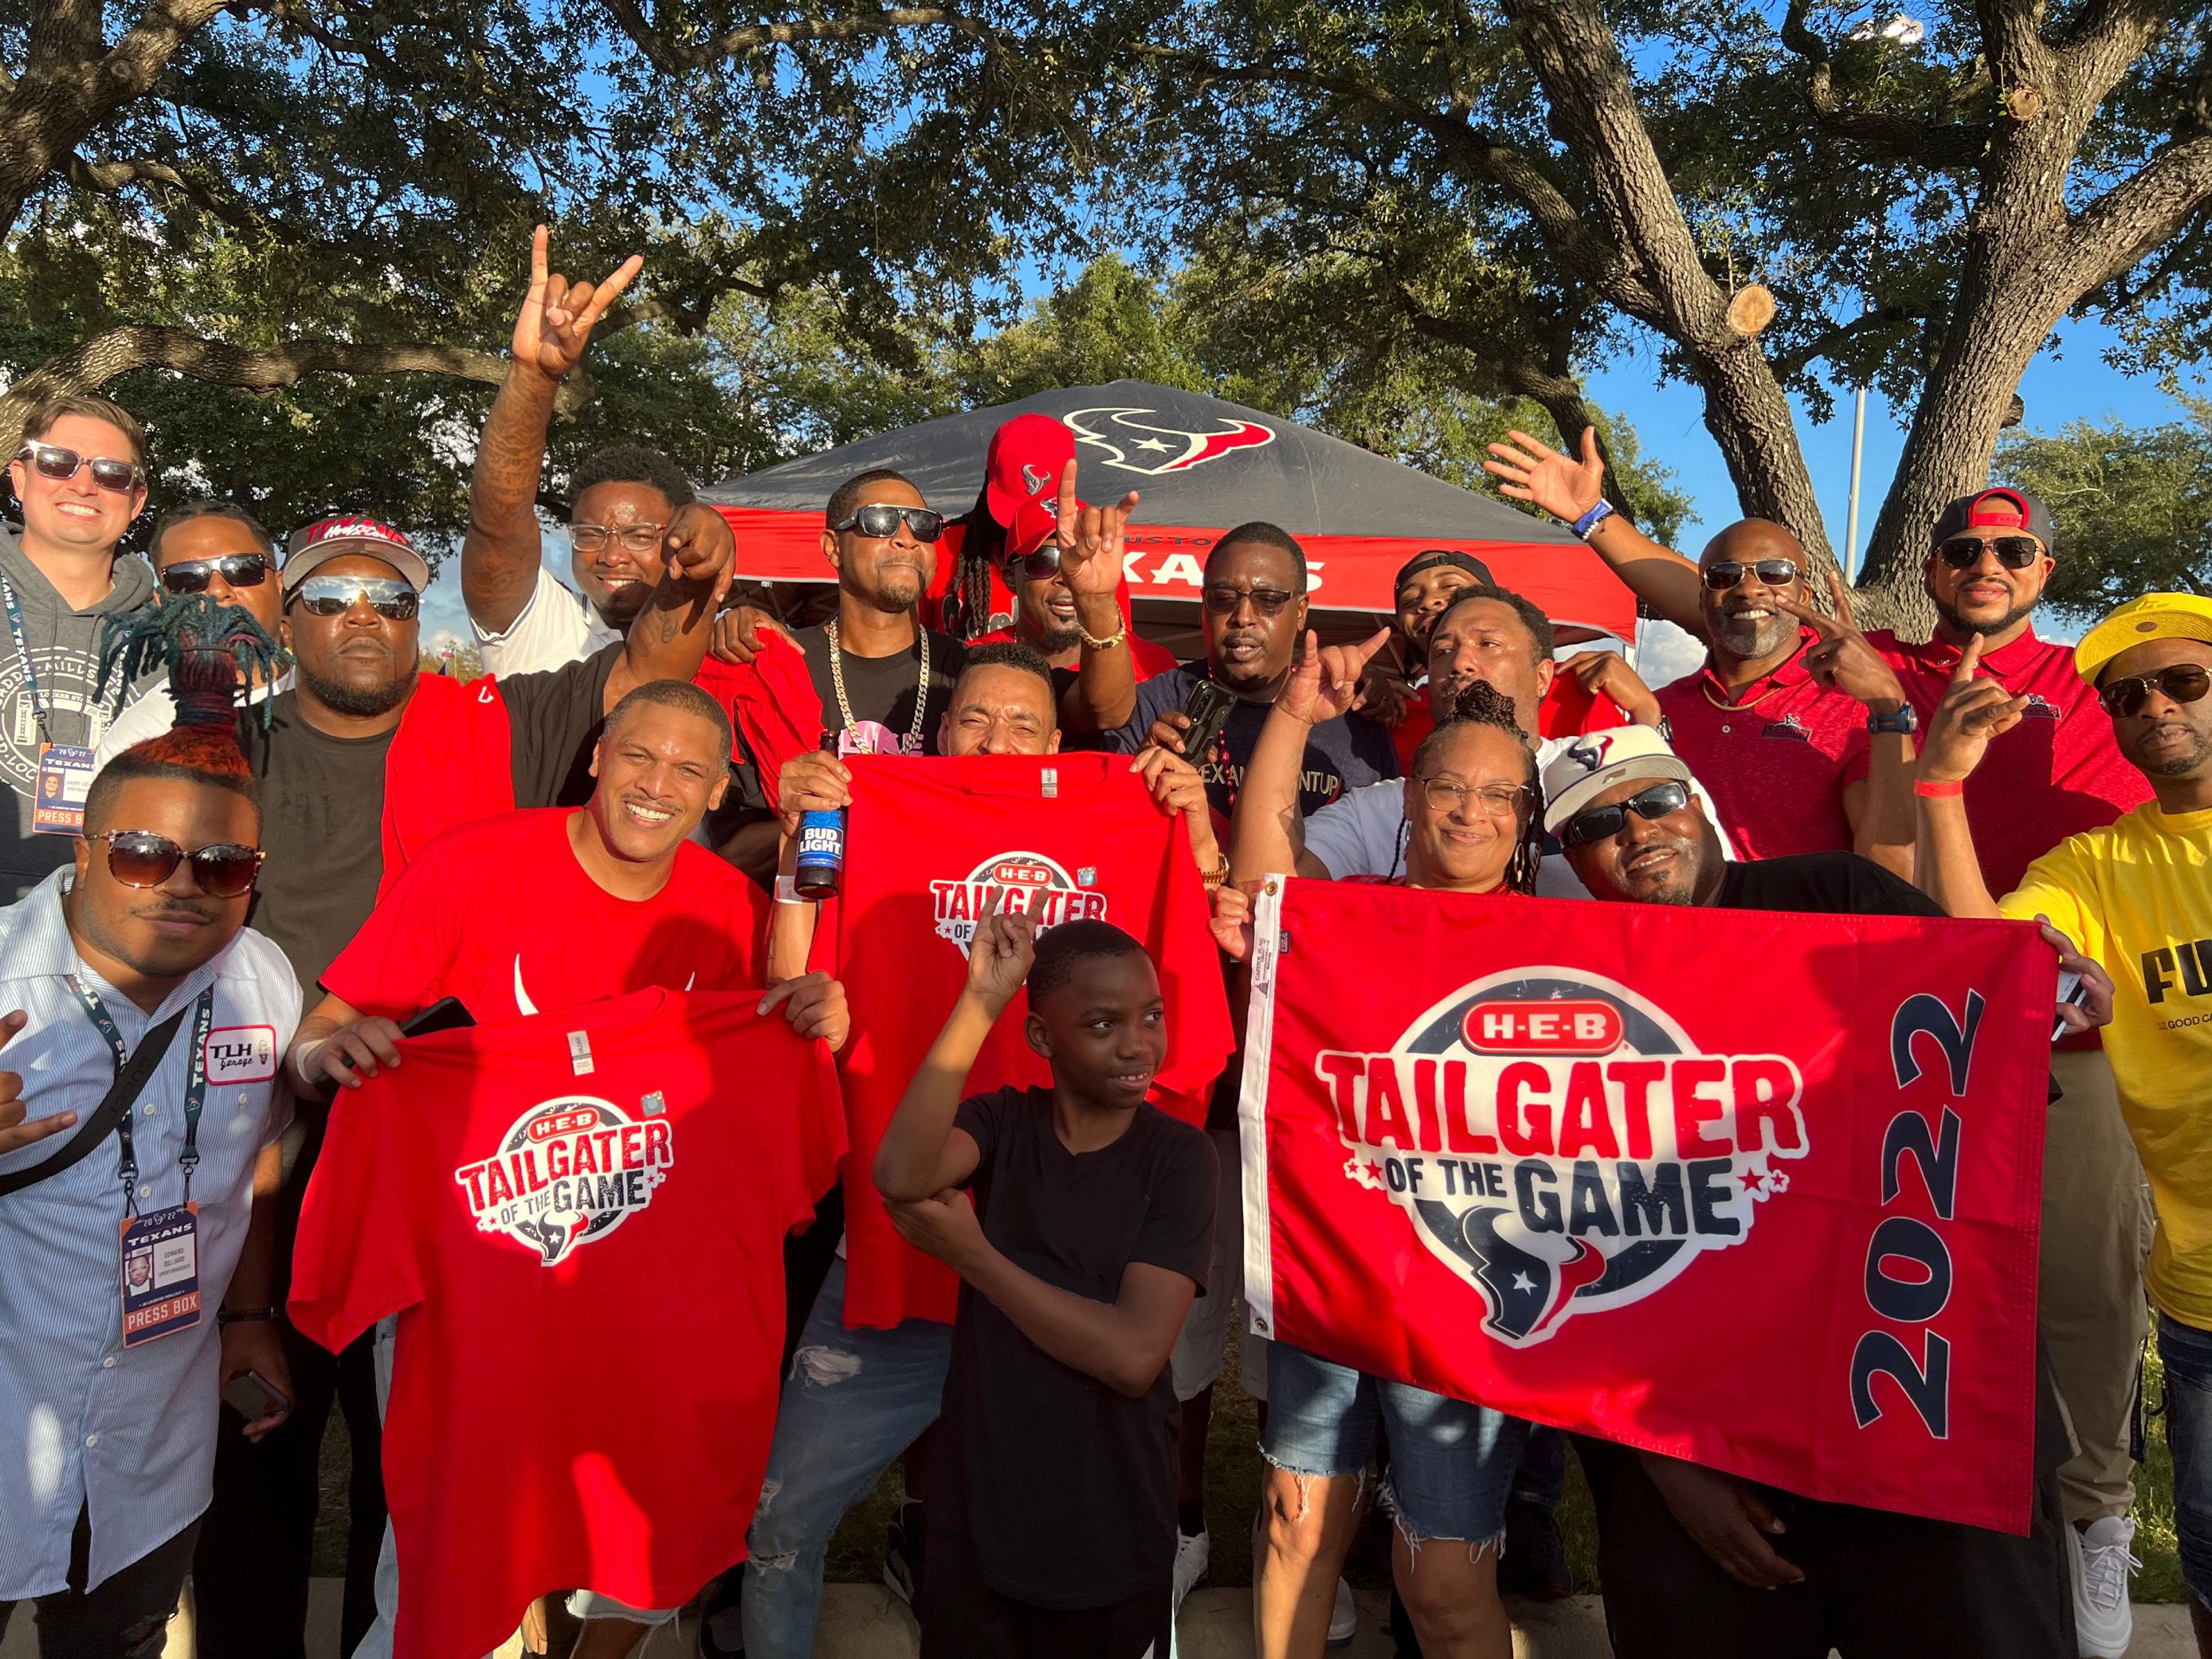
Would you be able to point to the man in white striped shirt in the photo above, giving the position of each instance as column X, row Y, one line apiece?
column 135, row 1271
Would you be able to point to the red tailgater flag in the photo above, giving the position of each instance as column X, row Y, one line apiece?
column 1756, row 1190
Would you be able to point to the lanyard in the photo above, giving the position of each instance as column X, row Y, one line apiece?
column 23, row 658
column 195, row 1087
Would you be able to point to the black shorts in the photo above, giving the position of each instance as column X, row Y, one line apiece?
column 964, row 1618
column 1877, row 1585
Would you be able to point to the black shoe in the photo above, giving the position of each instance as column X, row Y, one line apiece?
column 1534, row 1566
column 722, row 1628
column 903, row 1546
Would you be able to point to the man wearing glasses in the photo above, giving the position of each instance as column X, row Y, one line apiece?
column 2056, row 772
column 136, row 1266
column 79, row 480
column 220, row 551
column 628, row 504
column 2137, row 894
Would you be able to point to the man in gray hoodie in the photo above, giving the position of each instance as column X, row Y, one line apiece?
column 79, row 477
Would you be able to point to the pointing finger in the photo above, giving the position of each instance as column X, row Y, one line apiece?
column 11, row 1024
column 537, row 262
column 1840, row 596
column 1363, row 652
column 1068, row 507
column 1968, row 660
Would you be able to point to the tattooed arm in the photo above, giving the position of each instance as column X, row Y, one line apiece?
column 499, row 555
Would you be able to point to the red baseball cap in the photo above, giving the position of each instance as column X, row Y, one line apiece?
column 1028, row 454
column 1035, row 524
column 347, row 533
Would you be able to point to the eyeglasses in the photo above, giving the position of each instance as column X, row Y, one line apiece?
column 1722, row 574
column 139, row 858
column 52, row 461
column 236, row 569
column 1036, row 567
column 1225, row 601
column 333, row 596
column 1500, row 800
column 635, row 537
column 2014, row 552
column 2180, row 682
column 1603, row 822
column 881, row 519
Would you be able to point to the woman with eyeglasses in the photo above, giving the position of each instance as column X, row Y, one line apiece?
column 1474, row 827
column 79, row 480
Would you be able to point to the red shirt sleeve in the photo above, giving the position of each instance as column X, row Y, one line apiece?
column 407, row 948
column 353, row 1262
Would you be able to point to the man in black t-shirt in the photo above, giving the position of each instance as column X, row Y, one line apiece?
column 333, row 748
column 876, row 669
column 1053, row 1503
column 1695, row 1562
column 1255, row 606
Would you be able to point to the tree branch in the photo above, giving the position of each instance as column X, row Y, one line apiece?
column 2108, row 237
column 676, row 57
column 1889, row 138
column 1830, row 341
column 92, row 363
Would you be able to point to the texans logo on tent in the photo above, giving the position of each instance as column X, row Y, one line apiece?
column 1562, row 1146
column 571, row 1171
column 1029, row 882
column 1138, row 446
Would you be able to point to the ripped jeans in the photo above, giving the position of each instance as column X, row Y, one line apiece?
column 854, row 1401
column 1451, row 1464
column 125, row 1616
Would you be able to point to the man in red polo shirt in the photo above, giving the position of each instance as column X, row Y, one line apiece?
column 1798, row 725
column 2057, row 773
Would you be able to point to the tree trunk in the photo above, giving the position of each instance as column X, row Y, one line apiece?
column 1749, row 415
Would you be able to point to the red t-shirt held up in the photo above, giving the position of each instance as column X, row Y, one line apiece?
column 2055, row 774
column 500, row 914
column 580, row 1220
column 928, row 843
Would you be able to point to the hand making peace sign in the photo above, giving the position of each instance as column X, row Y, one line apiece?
column 1842, row 657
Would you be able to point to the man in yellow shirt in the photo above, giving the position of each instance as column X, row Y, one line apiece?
column 2136, row 896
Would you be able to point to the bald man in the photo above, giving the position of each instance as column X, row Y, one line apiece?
column 1800, row 731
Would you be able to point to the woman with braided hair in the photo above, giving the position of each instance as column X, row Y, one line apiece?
column 1472, row 794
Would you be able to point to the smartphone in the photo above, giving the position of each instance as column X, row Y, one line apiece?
column 1209, row 707
column 2069, row 990
column 446, row 1014
column 252, row 1396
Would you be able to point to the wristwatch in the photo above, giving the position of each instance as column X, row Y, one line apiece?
column 1902, row 721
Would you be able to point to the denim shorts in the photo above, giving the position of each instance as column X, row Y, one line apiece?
column 1451, row 1463
column 2186, row 1353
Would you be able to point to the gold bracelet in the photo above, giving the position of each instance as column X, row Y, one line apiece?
column 1218, row 876
column 1106, row 644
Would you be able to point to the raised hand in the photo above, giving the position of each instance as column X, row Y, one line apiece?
column 1532, row 471
column 697, row 549
column 1841, row 656
column 1000, row 957
column 15, row 1132
column 1606, row 673
column 555, row 324
column 1090, row 539
column 1326, row 682
column 1973, row 712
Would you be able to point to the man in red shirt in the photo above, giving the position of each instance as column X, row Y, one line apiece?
column 1799, row 725
column 2056, row 773
column 534, row 911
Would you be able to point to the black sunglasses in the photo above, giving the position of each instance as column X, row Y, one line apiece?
column 1268, row 601
column 880, row 519
column 52, row 461
column 1724, row 573
column 1038, row 566
column 2180, row 682
column 139, row 858
column 2014, row 552
column 1603, row 822
column 236, row 569
column 333, row 596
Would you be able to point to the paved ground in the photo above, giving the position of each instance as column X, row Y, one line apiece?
column 861, row 1621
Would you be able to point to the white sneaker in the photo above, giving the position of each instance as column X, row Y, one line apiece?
column 1193, row 1557
column 2101, row 1561
column 1344, row 1622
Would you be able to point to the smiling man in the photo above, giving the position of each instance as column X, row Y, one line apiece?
column 79, row 480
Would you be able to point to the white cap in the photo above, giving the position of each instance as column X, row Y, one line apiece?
column 1592, row 764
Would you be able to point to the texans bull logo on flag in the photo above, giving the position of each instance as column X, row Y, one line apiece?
column 1760, row 1191
column 569, row 1173
column 1559, row 1143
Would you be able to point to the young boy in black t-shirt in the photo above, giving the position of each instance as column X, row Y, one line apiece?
column 1052, row 1494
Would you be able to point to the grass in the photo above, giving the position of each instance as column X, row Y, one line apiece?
column 1232, row 1497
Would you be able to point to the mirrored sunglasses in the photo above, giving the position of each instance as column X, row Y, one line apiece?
column 333, row 596
column 140, row 858
column 1603, row 822
column 880, row 520
column 52, row 461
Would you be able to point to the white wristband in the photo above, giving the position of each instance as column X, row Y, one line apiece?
column 787, row 891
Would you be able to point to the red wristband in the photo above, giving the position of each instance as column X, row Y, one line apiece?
column 1938, row 790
